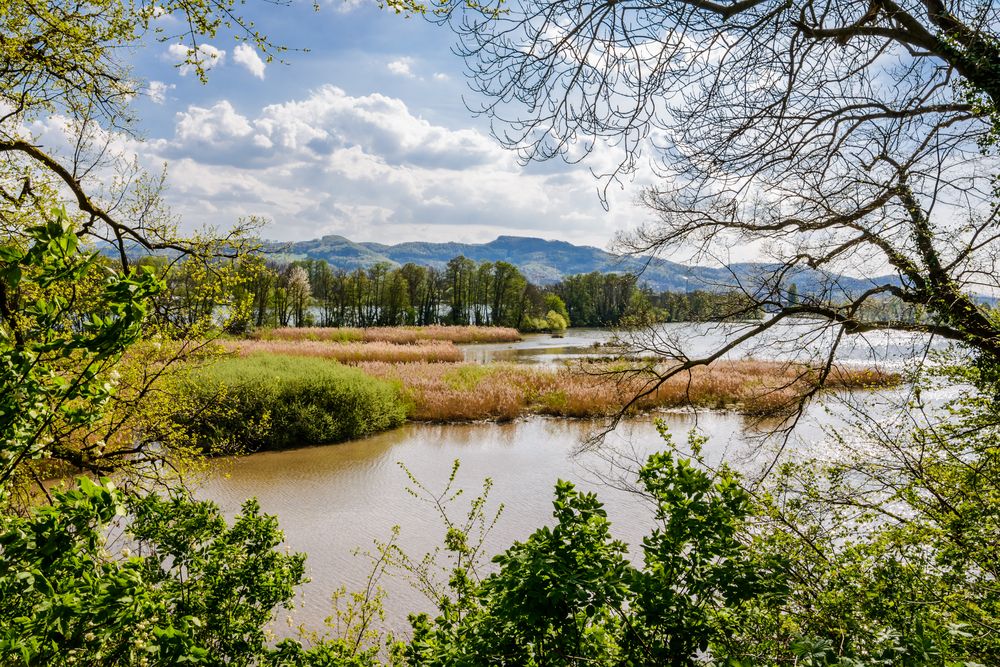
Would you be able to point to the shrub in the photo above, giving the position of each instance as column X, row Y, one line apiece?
column 195, row 590
column 266, row 402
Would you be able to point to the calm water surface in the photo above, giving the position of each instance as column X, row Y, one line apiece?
column 800, row 341
column 334, row 499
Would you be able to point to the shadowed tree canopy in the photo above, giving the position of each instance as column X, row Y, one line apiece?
column 849, row 136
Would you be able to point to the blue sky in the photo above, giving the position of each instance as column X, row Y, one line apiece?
column 365, row 135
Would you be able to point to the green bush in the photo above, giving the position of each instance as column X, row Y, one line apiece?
column 267, row 401
column 552, row 322
column 192, row 590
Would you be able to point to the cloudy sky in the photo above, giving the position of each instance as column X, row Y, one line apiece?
column 365, row 135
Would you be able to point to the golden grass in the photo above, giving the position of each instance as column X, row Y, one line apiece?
column 466, row 392
column 433, row 351
column 396, row 335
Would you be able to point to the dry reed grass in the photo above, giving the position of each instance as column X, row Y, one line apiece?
column 352, row 353
column 396, row 335
column 465, row 392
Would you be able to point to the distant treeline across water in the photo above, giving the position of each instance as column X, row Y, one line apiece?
column 311, row 292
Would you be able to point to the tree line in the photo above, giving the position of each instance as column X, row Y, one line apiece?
column 312, row 292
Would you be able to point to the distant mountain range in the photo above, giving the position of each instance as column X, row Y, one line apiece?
column 545, row 262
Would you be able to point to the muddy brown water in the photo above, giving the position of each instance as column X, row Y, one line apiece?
column 334, row 500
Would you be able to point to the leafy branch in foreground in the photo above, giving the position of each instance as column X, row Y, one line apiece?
column 56, row 363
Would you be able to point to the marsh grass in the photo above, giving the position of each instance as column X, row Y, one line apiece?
column 466, row 392
column 269, row 401
column 395, row 335
column 351, row 352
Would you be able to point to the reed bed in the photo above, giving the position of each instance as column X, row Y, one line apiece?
column 395, row 335
column 468, row 392
column 432, row 351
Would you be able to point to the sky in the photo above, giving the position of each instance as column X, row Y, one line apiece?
column 363, row 132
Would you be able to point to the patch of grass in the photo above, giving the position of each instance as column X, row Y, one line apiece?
column 396, row 335
column 265, row 401
column 467, row 377
column 350, row 352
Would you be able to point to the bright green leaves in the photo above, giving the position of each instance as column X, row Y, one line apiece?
column 569, row 595
column 195, row 591
column 58, row 339
column 699, row 573
column 67, row 56
column 557, row 593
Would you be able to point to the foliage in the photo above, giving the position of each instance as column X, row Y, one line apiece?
column 187, row 588
column 597, row 299
column 729, row 576
column 465, row 293
column 568, row 595
column 701, row 306
column 65, row 56
column 56, row 359
column 899, row 526
column 64, row 66
column 274, row 402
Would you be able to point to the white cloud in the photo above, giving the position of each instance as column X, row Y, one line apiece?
column 441, row 76
column 402, row 67
column 369, row 168
column 206, row 55
column 345, row 6
column 246, row 55
column 157, row 91
column 213, row 125
column 366, row 167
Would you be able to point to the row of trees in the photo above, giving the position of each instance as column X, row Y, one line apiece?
column 255, row 292
column 313, row 293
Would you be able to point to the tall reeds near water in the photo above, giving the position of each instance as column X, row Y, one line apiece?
column 457, row 392
column 396, row 335
column 351, row 352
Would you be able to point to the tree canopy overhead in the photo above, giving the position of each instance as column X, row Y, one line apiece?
column 69, row 61
column 837, row 135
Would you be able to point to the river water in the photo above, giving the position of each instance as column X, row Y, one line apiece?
column 802, row 341
column 333, row 500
